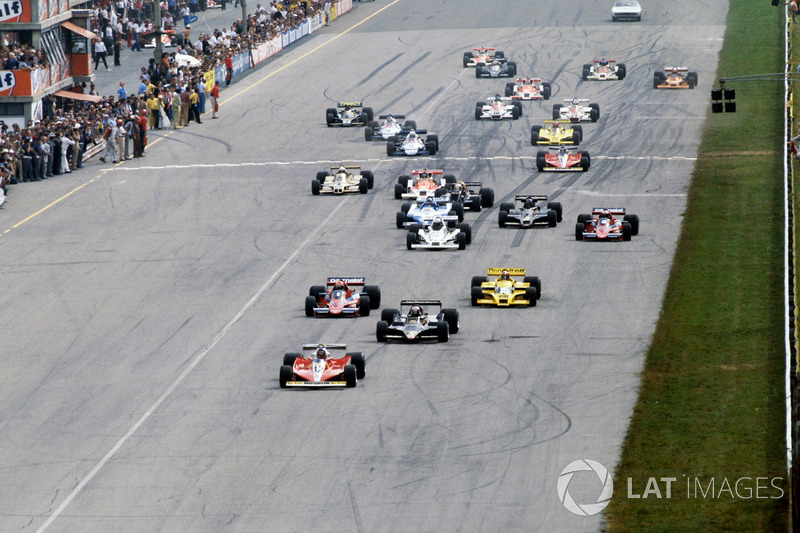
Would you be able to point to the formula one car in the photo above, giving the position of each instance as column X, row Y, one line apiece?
column 342, row 297
column 319, row 369
column 348, row 114
column 602, row 224
column 575, row 111
column 381, row 131
column 417, row 324
column 481, row 56
column 425, row 210
column 674, row 78
column 498, row 108
column 421, row 183
column 528, row 89
column 553, row 133
column 342, row 179
column 563, row 160
column 499, row 68
column 410, row 143
column 604, row 69
column 439, row 235
column 526, row 212
column 626, row 10
column 464, row 193
column 505, row 291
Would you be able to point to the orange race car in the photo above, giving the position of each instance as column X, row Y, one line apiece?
column 674, row 78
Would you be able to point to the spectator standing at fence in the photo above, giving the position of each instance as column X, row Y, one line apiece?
column 194, row 98
column 154, row 106
column 327, row 9
column 186, row 103
column 215, row 99
column 99, row 53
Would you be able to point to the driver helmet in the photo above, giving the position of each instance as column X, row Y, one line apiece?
column 415, row 311
column 504, row 275
column 321, row 352
column 674, row 70
column 390, row 119
column 574, row 101
column 412, row 136
column 342, row 169
column 603, row 62
column 497, row 97
column 529, row 203
column 423, row 175
column 339, row 286
column 437, row 224
column 562, row 150
column 605, row 214
column 555, row 125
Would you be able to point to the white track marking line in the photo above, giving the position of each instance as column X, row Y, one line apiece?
column 624, row 195
column 188, row 369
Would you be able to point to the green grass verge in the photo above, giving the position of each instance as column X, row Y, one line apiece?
column 711, row 403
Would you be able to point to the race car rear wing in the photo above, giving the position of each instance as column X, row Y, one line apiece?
column 406, row 303
column 469, row 184
column 612, row 210
column 419, row 132
column 482, row 49
column 569, row 100
column 511, row 271
column 679, row 69
column 607, row 61
column 426, row 171
column 349, row 281
column 526, row 80
column 346, row 167
column 349, row 104
column 328, row 346
column 536, row 197
column 384, row 117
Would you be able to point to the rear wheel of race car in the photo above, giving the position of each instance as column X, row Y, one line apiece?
column 315, row 187
column 487, row 197
column 478, row 71
column 289, row 359
column 374, row 293
column 373, row 124
column 576, row 137
column 322, row 175
column 626, row 231
column 556, row 206
column 578, row 128
column 404, row 180
column 458, row 207
column 387, row 315
column 477, row 281
column 370, row 177
column 442, row 332
column 432, row 147
column 410, row 125
column 506, row 206
column 285, row 375
column 315, row 290
column 534, row 281
column 692, row 75
column 441, row 191
column 585, row 161
column 531, row 295
column 535, row 135
column 350, row 376
column 363, row 186
column 405, row 207
column 475, row 204
column 358, row 361
column 556, row 111
column 466, row 230
column 579, row 231
column 400, row 220
column 658, row 79
column 467, row 59
column 364, row 306
column 518, row 105
column 311, row 303
column 597, row 107
column 368, row 111
column 552, row 218
column 512, row 69
column 584, row 217
column 461, row 241
column 514, row 113
column 594, row 115
column 434, row 139
column 478, row 110
column 547, row 90
column 502, row 218
column 381, row 330
column 476, row 293
column 449, row 178
column 411, row 240
column 362, row 120
column 451, row 317
column 690, row 82
column 621, row 71
column 389, row 148
column 368, row 133
column 398, row 191
column 634, row 220
column 500, row 55
column 509, row 89
column 541, row 161
column 587, row 69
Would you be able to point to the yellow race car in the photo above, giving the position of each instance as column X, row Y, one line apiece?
column 553, row 133
column 505, row 291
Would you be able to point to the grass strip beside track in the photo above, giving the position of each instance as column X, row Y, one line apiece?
column 711, row 403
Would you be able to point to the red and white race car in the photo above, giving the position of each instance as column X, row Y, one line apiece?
column 562, row 159
column 481, row 56
column 604, row 69
column 421, row 184
column 528, row 89
column 343, row 297
column 604, row 224
column 498, row 108
column 575, row 111
column 319, row 369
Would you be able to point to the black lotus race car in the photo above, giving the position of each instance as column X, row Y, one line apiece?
column 416, row 324
column 348, row 114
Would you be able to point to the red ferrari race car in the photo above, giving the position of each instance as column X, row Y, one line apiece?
column 481, row 56
column 319, row 369
column 528, row 89
column 343, row 297
column 562, row 159
column 602, row 224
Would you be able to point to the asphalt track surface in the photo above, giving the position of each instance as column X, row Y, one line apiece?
column 145, row 315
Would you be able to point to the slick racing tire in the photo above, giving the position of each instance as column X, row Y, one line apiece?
column 458, row 207
column 534, row 281
column 586, row 161
column 387, row 315
column 442, row 332
column 541, row 160
column 547, row 90
column 535, row 135
column 381, row 330
column 509, row 89
column 579, row 231
column 531, row 295
column 556, row 111
column 390, row 148
column 478, row 71
column 594, row 114
column 406, row 207
column 350, row 376
column 584, row 217
column 363, row 186
column 358, row 361
column 315, row 290
column 370, row 177
column 364, row 305
column 411, row 240
column 316, row 186
column 512, row 69
column 476, row 293
column 289, row 358
column 374, row 293
column 477, row 281
column 556, row 206
column 634, row 220
column 487, row 197
column 466, row 230
column 322, row 175
column 478, row 110
column 461, row 241
column 621, row 71
column 311, row 302
column 398, row 191
column 502, row 219
column 285, row 375
column 410, row 125
column 507, row 206
column 451, row 317
column 368, row 133
column 467, row 58
column 626, row 231
column 552, row 218
column 515, row 112
column 370, row 115
column 400, row 219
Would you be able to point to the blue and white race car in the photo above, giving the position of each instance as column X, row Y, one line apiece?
column 381, row 131
column 410, row 144
column 425, row 210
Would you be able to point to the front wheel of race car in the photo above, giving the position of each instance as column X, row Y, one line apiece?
column 535, row 135
column 502, row 218
column 556, row 111
column 587, row 69
column 621, row 71
column 368, row 133
column 556, row 206
column 398, row 191
column 364, row 305
column 350, row 376
column 541, row 161
column 434, row 139
column 311, row 303
column 487, row 197
column 458, row 207
column 478, row 110
column 634, row 220
column 512, row 69
column 579, row 227
column 400, row 220
column 442, row 333
column 552, row 218
column 461, row 241
column 626, row 231
column 547, row 90
column 358, row 361
column 381, row 331
column 531, row 295
column 577, row 137
column 390, row 148
column 290, row 358
column 466, row 230
column 515, row 113
column 285, row 375
column 411, row 240
column 316, row 186
column 363, row 186
column 476, row 293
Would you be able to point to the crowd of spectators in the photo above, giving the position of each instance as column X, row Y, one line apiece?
column 21, row 56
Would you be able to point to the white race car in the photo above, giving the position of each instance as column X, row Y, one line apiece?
column 342, row 179
column 603, row 70
column 575, row 111
column 411, row 144
column 391, row 125
column 626, row 10
column 425, row 210
column 498, row 108
column 528, row 89
column 442, row 234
